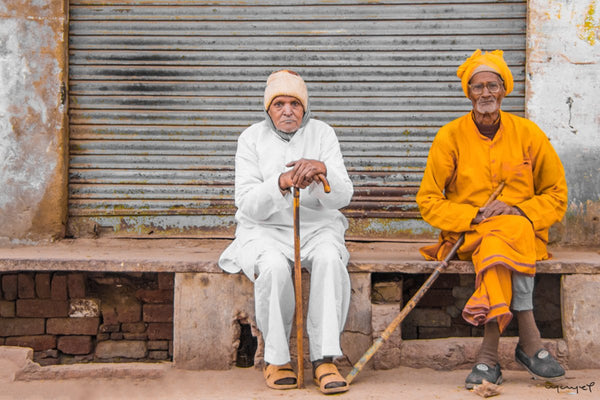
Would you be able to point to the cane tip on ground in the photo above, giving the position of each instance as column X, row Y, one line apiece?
column 487, row 389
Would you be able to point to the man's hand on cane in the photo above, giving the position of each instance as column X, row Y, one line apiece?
column 496, row 207
column 303, row 173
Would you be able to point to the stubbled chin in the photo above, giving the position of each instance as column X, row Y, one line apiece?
column 488, row 107
column 288, row 128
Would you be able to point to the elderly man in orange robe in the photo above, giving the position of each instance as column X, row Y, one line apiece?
column 469, row 158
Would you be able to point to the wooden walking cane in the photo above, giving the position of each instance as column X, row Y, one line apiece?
column 298, row 280
column 414, row 300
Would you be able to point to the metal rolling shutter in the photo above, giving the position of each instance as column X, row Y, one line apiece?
column 161, row 89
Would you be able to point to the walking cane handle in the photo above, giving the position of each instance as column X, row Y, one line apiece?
column 325, row 183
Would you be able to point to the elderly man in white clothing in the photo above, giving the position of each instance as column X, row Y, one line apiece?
column 290, row 149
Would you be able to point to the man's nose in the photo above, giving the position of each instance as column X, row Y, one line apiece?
column 287, row 109
column 486, row 89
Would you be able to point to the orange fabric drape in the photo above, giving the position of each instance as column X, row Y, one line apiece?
column 499, row 246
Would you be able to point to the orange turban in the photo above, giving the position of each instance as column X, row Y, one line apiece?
column 478, row 62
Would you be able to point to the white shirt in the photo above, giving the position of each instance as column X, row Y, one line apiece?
column 263, row 212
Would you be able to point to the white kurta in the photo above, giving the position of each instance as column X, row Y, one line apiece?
column 264, row 243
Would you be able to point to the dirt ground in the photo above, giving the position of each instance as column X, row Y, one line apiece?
column 238, row 383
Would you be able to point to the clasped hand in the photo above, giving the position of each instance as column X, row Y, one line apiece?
column 303, row 173
column 496, row 207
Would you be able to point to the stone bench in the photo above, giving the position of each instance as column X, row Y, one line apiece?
column 209, row 304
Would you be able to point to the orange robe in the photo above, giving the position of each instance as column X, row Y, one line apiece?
column 463, row 169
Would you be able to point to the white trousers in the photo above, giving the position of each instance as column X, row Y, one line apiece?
column 329, row 299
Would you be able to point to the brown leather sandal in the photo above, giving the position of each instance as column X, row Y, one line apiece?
column 277, row 373
column 328, row 379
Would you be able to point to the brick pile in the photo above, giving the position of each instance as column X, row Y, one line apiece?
column 69, row 317
column 439, row 313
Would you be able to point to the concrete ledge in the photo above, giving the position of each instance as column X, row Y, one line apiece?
column 27, row 370
column 201, row 255
column 460, row 353
column 34, row 371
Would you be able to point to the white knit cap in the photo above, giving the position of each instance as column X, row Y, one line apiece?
column 286, row 83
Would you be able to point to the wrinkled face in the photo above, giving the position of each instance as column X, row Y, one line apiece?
column 486, row 102
column 286, row 113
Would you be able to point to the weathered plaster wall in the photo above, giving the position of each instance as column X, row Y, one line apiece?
column 563, row 98
column 33, row 141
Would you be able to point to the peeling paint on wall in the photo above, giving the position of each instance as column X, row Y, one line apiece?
column 32, row 163
column 589, row 30
column 563, row 82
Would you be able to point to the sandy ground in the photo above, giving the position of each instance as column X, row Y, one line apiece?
column 238, row 383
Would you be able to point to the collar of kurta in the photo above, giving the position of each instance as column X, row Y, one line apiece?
column 488, row 131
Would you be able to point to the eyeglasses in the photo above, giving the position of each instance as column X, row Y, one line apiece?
column 493, row 87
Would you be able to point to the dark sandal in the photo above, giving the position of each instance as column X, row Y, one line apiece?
column 280, row 373
column 328, row 379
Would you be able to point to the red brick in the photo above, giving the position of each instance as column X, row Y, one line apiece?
column 26, row 286
column 72, row 326
column 42, row 285
column 158, row 312
column 116, row 336
column 21, row 326
column 42, row 308
column 58, row 287
column 7, row 308
column 9, row 286
column 121, row 348
column 430, row 317
column 155, row 296
column 106, row 328
column 75, row 344
column 160, row 331
column 135, row 336
column 129, row 310
column 37, row 343
column 76, row 285
column 158, row 355
column 165, row 280
column 133, row 327
column 158, row 345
